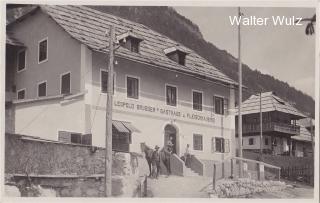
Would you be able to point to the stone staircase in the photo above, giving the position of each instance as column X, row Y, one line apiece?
column 189, row 172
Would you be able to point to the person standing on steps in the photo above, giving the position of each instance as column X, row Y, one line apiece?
column 155, row 162
column 170, row 144
column 187, row 156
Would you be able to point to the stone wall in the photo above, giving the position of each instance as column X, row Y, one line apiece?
column 72, row 170
column 243, row 188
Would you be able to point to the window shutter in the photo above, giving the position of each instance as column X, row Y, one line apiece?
column 86, row 139
column 225, row 108
column 64, row 137
column 226, row 146
column 213, row 145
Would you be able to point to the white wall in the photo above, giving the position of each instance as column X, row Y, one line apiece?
column 152, row 94
column 45, row 118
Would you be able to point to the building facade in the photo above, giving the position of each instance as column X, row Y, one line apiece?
column 279, row 125
column 161, row 89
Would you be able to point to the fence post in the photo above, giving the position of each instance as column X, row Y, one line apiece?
column 260, row 171
column 232, row 175
column 279, row 174
column 214, row 177
column 222, row 167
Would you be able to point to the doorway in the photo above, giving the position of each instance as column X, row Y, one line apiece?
column 170, row 131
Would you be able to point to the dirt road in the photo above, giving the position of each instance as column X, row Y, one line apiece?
column 176, row 186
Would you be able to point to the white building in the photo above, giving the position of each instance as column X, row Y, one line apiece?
column 161, row 88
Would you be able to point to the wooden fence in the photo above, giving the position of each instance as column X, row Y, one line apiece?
column 298, row 173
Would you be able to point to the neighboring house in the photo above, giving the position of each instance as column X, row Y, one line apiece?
column 161, row 89
column 279, row 124
column 302, row 143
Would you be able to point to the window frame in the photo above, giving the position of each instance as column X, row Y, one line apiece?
column 251, row 138
column 39, row 83
column 114, row 81
column 221, row 145
column 25, row 60
column 69, row 72
column 165, row 93
column 214, row 100
column 25, row 93
column 47, row 51
column 193, row 144
column 202, row 101
column 126, row 85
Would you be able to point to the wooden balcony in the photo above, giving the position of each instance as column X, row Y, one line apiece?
column 271, row 127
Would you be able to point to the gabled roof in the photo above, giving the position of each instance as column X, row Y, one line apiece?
column 306, row 122
column 174, row 49
column 90, row 26
column 269, row 102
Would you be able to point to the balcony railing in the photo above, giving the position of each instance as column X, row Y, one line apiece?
column 271, row 126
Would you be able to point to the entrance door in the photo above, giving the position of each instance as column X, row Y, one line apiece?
column 170, row 131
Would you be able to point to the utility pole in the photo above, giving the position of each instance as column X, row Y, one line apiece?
column 108, row 150
column 260, row 128
column 240, row 96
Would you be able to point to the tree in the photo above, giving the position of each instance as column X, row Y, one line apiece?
column 310, row 25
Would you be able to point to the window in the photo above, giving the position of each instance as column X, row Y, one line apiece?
column 218, row 105
column 134, row 45
column 197, row 142
column 176, row 54
column 66, row 83
column 251, row 141
column 220, row 145
column 104, row 81
column 266, row 141
column 132, row 87
column 42, row 89
column 21, row 94
column 75, row 138
column 130, row 41
column 182, row 59
column 197, row 100
column 171, row 95
column 21, row 60
column 43, row 50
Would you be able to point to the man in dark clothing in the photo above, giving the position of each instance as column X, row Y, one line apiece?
column 156, row 162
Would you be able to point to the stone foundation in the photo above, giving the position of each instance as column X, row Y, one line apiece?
column 69, row 170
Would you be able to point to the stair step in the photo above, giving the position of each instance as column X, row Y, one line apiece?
column 190, row 172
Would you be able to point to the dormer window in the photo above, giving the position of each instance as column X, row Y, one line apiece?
column 176, row 54
column 130, row 41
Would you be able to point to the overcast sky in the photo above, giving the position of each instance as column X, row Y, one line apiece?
column 284, row 52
